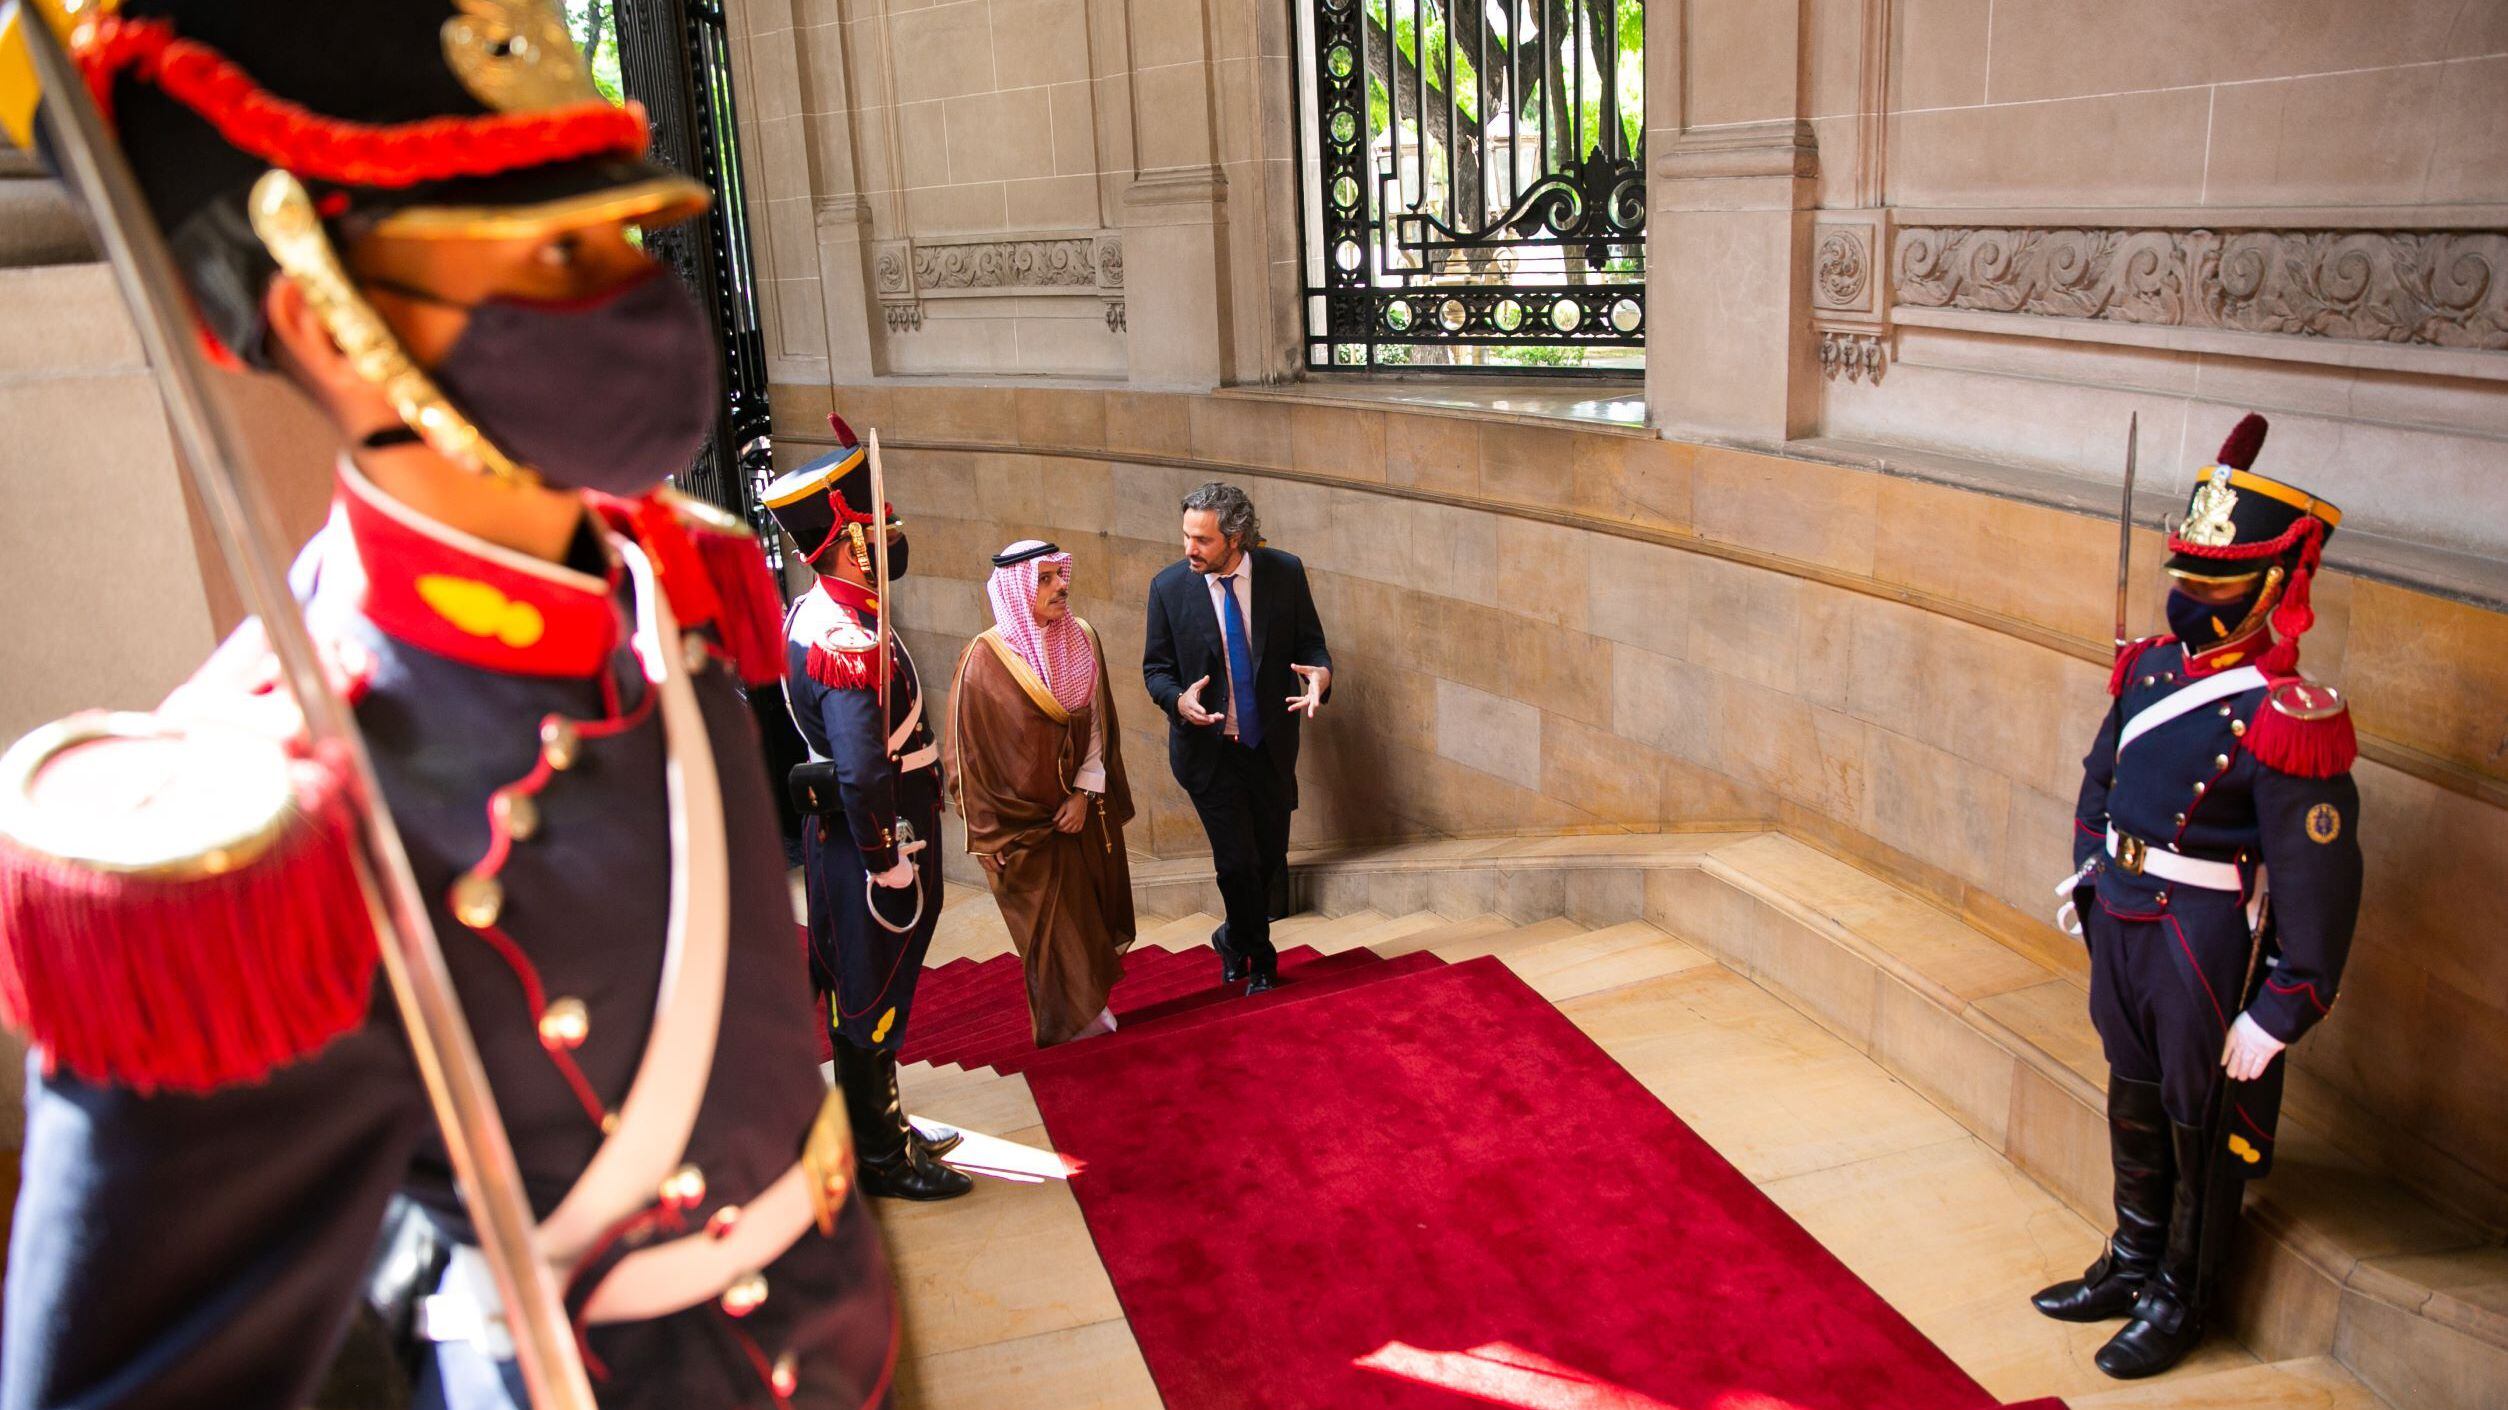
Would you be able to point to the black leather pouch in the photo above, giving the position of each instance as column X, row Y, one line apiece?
column 813, row 790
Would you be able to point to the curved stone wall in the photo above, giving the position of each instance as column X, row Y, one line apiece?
column 1544, row 629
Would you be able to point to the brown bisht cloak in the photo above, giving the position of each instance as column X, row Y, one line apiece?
column 1011, row 755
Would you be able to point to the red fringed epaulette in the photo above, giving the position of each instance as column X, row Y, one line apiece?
column 713, row 572
column 2304, row 729
column 2126, row 656
column 179, row 904
column 751, row 619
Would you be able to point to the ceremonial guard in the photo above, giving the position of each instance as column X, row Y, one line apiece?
column 871, row 796
column 421, row 212
column 2219, row 877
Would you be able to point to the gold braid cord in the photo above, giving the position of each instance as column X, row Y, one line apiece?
column 283, row 217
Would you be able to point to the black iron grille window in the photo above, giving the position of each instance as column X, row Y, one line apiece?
column 673, row 57
column 1475, row 191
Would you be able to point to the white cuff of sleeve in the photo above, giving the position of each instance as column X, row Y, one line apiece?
column 1091, row 779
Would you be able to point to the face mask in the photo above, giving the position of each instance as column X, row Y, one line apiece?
column 2204, row 624
column 607, row 393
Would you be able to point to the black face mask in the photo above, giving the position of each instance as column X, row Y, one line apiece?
column 897, row 556
column 2205, row 624
column 607, row 393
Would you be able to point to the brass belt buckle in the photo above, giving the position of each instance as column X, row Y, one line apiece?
column 2130, row 851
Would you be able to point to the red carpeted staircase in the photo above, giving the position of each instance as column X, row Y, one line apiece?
column 971, row 1013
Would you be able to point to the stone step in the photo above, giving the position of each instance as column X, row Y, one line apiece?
column 64, row 320
column 38, row 224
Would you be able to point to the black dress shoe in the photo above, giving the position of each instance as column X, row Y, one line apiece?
column 937, row 1146
column 2107, row 1290
column 1266, row 978
column 2163, row 1330
column 1233, row 967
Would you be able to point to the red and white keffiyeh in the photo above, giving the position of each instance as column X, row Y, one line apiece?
column 1060, row 654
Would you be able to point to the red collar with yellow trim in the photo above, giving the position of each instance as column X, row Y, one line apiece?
column 859, row 600
column 2221, row 656
column 461, row 597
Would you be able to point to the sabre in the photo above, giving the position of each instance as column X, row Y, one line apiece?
column 879, row 562
column 2125, row 528
column 92, row 167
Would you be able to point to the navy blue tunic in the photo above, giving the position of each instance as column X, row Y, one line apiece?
column 866, row 944
column 2168, row 960
column 208, row 1250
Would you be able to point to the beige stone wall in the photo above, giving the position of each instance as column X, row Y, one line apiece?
column 1544, row 629
column 2349, row 147
column 987, row 186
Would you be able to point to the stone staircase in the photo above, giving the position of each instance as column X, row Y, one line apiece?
column 1924, row 1097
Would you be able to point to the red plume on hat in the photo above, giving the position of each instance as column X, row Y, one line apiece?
column 2245, row 439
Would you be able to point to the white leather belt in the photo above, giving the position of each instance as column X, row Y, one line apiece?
column 922, row 758
column 2138, row 857
column 651, row 1282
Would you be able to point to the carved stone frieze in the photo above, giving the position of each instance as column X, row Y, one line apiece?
column 2439, row 288
column 1007, row 265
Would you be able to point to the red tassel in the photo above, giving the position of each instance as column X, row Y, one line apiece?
column 2318, row 748
column 840, row 670
column 2126, row 656
column 2238, row 451
column 189, row 985
column 752, row 620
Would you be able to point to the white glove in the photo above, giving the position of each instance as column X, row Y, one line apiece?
column 2068, row 915
column 2249, row 1050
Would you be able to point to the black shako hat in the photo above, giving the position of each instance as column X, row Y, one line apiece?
column 829, row 494
column 453, row 118
column 2237, row 522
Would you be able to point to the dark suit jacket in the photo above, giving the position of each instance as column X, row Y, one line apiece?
column 1183, row 644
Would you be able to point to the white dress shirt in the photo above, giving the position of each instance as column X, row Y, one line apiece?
column 1244, row 587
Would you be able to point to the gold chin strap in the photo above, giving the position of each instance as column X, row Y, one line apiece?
column 283, row 216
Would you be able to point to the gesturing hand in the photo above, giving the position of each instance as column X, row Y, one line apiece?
column 1189, row 705
column 2249, row 1050
column 1073, row 814
column 1318, row 679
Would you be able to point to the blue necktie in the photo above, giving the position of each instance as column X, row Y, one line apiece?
column 1240, row 667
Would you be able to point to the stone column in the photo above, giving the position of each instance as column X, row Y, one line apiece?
column 1176, row 278
column 1729, row 352
column 844, row 226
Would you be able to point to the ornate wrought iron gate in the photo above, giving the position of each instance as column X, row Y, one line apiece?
column 1475, row 182
column 674, row 59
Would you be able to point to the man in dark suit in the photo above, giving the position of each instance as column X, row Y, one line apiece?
column 1235, row 655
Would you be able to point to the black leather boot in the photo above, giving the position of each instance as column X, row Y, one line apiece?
column 891, row 1162
column 948, row 1140
column 1233, row 967
column 2168, row 1317
column 2139, row 1147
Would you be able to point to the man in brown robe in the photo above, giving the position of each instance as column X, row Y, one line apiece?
column 1035, row 760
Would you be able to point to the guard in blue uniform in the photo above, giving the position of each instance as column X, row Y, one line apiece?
column 2219, row 877
column 871, row 798
column 222, row 1103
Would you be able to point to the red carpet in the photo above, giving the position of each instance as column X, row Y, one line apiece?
column 1426, row 1188
column 976, row 1014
